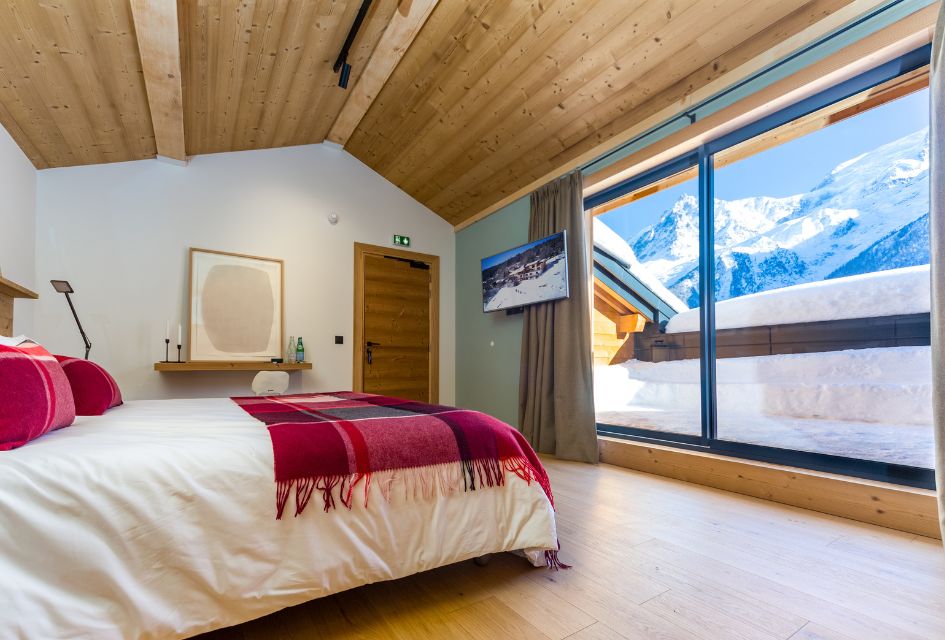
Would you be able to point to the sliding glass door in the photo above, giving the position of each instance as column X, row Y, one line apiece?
column 791, row 258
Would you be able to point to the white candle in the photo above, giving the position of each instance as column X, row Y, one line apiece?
column 167, row 330
column 180, row 334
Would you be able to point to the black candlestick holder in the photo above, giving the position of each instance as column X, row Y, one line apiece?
column 167, row 349
column 178, row 353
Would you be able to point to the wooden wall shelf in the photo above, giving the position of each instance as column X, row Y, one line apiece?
column 8, row 291
column 229, row 365
column 14, row 290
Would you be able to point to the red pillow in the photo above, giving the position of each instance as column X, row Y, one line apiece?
column 35, row 396
column 95, row 391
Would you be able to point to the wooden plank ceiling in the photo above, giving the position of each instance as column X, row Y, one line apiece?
column 486, row 98
column 259, row 74
column 71, row 88
column 491, row 97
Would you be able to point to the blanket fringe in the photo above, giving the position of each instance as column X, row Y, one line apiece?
column 417, row 483
column 553, row 563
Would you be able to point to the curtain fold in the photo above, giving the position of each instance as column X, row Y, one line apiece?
column 556, row 391
column 937, row 253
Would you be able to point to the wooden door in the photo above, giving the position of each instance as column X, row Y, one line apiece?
column 396, row 332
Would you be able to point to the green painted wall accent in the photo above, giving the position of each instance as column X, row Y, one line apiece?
column 488, row 345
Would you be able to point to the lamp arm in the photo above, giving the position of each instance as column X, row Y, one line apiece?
column 85, row 338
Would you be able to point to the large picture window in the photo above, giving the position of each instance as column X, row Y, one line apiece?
column 787, row 267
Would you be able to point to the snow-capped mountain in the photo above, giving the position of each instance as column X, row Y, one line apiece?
column 869, row 214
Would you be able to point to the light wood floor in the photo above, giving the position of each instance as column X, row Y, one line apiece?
column 655, row 558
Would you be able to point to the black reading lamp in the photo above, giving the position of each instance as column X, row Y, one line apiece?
column 62, row 286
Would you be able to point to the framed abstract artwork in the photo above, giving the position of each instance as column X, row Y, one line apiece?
column 236, row 306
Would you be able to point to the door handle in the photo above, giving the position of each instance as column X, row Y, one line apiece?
column 370, row 351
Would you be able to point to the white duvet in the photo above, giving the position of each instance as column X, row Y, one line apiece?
column 157, row 520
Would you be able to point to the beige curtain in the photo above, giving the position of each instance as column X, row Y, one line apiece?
column 937, row 223
column 556, row 392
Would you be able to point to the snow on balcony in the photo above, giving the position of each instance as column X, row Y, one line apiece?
column 871, row 295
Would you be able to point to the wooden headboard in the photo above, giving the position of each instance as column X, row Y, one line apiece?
column 8, row 291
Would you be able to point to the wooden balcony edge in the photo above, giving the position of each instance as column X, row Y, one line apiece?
column 898, row 507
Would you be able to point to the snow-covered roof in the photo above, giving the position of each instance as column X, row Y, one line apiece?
column 607, row 240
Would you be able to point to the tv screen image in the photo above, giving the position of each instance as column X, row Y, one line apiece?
column 533, row 272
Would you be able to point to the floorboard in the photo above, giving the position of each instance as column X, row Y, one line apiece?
column 655, row 559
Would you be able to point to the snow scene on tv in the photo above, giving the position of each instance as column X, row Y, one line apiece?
column 535, row 272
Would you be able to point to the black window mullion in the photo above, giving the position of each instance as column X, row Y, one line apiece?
column 707, row 295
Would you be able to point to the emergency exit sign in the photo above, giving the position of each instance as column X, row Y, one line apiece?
column 402, row 241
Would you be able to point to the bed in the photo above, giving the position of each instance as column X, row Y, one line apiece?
column 156, row 520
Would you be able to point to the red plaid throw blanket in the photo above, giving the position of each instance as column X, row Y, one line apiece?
column 332, row 442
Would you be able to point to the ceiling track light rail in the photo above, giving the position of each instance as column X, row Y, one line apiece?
column 341, row 66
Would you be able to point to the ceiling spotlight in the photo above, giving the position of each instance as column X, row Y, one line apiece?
column 344, row 75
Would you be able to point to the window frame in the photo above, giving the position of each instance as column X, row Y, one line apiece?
column 703, row 158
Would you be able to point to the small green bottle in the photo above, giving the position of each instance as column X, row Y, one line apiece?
column 300, row 351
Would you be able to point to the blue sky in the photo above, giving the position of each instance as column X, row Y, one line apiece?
column 791, row 168
column 505, row 255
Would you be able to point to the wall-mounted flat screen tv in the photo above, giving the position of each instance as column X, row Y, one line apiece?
column 533, row 272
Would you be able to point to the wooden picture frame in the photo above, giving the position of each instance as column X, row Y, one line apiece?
column 236, row 307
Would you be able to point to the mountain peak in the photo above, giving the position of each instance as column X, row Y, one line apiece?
column 850, row 221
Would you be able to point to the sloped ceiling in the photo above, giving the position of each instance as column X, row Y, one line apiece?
column 462, row 104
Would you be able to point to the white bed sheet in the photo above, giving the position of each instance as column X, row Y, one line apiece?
column 157, row 520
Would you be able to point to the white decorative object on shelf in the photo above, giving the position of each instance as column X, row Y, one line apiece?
column 270, row 383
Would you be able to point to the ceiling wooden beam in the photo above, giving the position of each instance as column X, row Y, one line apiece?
column 159, row 47
column 631, row 323
column 399, row 35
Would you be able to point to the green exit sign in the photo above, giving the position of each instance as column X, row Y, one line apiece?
column 402, row 241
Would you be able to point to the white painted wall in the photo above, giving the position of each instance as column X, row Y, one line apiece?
column 120, row 234
column 18, row 226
